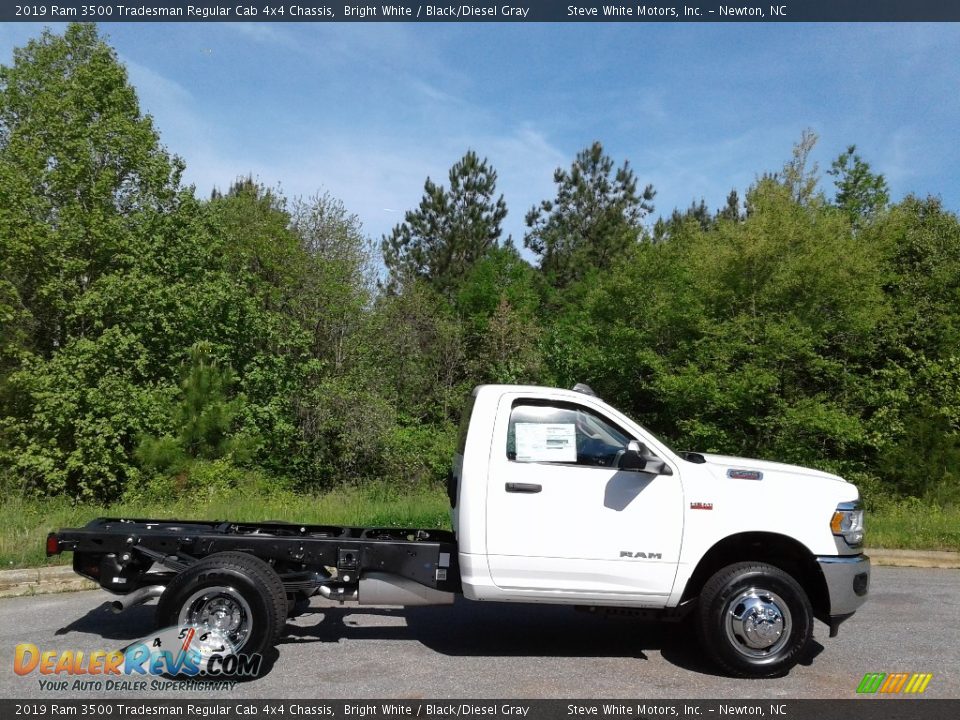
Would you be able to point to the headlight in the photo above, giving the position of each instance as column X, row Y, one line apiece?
column 847, row 522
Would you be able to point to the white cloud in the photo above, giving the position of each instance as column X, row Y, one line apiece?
column 153, row 88
column 183, row 130
column 900, row 159
column 380, row 181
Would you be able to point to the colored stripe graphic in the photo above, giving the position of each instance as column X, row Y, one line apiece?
column 871, row 682
column 893, row 683
column 925, row 679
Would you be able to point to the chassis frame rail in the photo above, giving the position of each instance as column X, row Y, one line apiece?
column 118, row 552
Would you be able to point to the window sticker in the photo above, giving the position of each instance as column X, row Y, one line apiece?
column 546, row 442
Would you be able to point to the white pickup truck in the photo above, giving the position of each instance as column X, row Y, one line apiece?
column 557, row 497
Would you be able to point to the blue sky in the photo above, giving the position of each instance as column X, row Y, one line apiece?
column 368, row 111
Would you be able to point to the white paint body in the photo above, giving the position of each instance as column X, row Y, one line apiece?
column 567, row 542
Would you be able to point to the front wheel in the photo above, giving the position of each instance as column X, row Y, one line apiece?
column 755, row 620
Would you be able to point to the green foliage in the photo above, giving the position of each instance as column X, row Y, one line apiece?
column 336, row 281
column 501, row 274
column 451, row 229
column 419, row 454
column 499, row 304
column 731, row 210
column 593, row 220
column 927, row 459
column 70, row 423
column 343, row 430
column 920, row 242
column 861, row 194
column 81, row 174
column 161, row 348
column 78, row 161
column 419, row 348
column 755, row 337
column 202, row 420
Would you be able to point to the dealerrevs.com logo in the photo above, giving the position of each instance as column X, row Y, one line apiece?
column 894, row 683
column 182, row 651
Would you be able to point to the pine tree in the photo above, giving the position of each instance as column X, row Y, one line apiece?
column 595, row 216
column 861, row 194
column 731, row 211
column 451, row 229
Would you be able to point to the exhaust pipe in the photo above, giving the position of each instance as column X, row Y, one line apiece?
column 337, row 593
column 137, row 597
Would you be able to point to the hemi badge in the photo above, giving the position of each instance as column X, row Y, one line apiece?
column 701, row 506
column 745, row 474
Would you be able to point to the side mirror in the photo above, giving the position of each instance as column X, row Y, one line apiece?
column 639, row 459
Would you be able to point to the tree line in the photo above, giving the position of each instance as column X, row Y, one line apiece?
column 154, row 341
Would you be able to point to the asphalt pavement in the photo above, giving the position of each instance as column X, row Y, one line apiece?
column 911, row 623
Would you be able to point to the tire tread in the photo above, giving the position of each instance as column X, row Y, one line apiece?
column 709, row 626
column 260, row 574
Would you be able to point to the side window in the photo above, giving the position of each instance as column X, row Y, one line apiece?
column 563, row 433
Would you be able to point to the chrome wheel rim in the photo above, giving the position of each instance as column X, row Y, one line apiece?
column 757, row 622
column 220, row 609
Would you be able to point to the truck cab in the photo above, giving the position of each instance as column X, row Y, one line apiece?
column 560, row 498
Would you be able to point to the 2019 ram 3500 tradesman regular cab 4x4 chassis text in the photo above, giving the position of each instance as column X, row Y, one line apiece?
column 557, row 498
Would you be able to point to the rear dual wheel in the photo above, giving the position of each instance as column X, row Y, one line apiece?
column 234, row 594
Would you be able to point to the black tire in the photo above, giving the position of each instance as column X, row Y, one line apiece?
column 755, row 620
column 238, row 581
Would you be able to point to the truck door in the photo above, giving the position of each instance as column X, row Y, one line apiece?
column 563, row 520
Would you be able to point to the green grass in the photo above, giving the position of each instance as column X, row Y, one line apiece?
column 24, row 523
column 911, row 524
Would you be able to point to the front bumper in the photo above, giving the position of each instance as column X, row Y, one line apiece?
column 848, row 582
